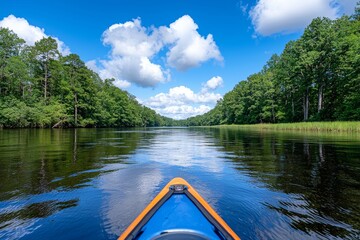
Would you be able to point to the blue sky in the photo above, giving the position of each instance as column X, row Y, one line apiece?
column 176, row 56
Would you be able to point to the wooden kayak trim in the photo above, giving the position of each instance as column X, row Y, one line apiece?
column 177, row 181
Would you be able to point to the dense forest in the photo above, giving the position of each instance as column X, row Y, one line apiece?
column 316, row 78
column 41, row 88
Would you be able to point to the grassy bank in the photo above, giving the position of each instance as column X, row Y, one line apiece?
column 305, row 126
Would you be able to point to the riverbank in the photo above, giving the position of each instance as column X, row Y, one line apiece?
column 303, row 126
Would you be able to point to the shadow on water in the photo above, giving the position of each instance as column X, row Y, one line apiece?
column 35, row 210
column 35, row 161
column 39, row 166
column 319, row 171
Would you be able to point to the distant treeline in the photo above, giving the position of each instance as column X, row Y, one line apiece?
column 41, row 88
column 316, row 78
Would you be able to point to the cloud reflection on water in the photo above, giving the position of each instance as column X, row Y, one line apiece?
column 159, row 158
column 179, row 148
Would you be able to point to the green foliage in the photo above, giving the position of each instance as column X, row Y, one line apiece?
column 41, row 88
column 316, row 78
column 16, row 113
column 10, row 45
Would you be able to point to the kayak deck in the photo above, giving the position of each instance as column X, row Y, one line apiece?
column 178, row 212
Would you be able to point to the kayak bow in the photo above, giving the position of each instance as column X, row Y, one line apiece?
column 178, row 212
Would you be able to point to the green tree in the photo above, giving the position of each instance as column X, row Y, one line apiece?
column 10, row 46
column 75, row 73
column 44, row 52
column 346, row 86
column 15, row 72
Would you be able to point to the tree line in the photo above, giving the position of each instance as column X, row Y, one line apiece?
column 315, row 78
column 41, row 88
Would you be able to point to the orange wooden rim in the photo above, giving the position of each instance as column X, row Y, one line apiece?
column 164, row 191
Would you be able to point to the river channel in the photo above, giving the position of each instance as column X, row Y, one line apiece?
column 91, row 183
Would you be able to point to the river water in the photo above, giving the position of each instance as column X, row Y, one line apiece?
column 91, row 183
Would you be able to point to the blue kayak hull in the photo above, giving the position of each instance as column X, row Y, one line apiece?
column 178, row 212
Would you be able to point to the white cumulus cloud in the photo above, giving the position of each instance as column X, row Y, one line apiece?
column 189, row 48
column 213, row 83
column 105, row 74
column 30, row 33
column 138, row 70
column 132, row 39
column 134, row 48
column 183, row 111
column 92, row 65
column 181, row 102
column 181, row 95
column 285, row 16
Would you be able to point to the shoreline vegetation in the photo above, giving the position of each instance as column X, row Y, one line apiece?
column 343, row 127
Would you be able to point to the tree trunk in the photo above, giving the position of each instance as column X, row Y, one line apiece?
column 45, row 81
column 23, row 91
column 75, row 109
column 320, row 98
column 46, row 76
column 58, row 124
column 306, row 104
column 292, row 104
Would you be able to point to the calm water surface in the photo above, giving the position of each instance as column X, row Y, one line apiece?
column 91, row 183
